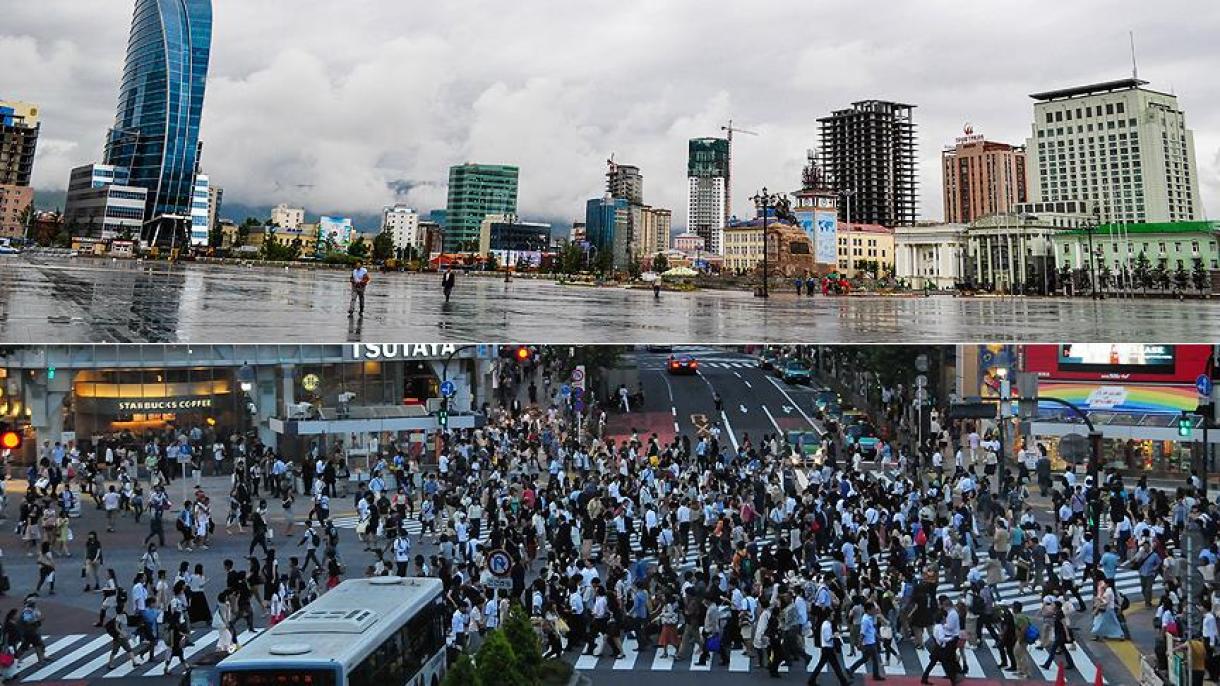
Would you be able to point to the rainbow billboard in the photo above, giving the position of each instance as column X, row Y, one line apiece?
column 1120, row 397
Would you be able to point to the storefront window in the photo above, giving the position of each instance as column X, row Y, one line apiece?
column 139, row 402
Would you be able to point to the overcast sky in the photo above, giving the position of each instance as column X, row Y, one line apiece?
column 360, row 97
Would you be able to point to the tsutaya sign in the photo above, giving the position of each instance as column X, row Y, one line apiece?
column 401, row 351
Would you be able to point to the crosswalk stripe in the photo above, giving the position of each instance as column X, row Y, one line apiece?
column 69, row 659
column 1039, row 656
column 662, row 664
column 739, row 661
column 1084, row 665
column 31, row 659
column 627, row 661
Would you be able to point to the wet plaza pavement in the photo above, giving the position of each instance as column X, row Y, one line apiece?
column 84, row 300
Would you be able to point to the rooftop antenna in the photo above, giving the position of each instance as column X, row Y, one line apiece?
column 1135, row 70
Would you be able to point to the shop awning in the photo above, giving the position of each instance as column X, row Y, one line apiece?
column 392, row 418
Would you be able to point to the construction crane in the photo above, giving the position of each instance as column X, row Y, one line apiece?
column 728, row 188
column 731, row 130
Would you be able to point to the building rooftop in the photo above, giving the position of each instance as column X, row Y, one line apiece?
column 865, row 228
column 1151, row 228
column 1103, row 87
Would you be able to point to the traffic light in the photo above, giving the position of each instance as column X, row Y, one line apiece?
column 442, row 415
column 520, row 353
column 1186, row 426
column 50, row 373
column 10, row 440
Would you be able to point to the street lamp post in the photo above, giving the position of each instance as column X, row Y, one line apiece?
column 765, row 201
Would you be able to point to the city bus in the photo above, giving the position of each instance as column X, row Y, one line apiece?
column 381, row 631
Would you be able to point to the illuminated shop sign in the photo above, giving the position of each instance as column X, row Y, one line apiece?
column 401, row 351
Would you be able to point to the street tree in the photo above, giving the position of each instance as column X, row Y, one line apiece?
column 1199, row 275
column 524, row 640
column 1181, row 277
column 462, row 673
column 1143, row 272
column 634, row 268
column 357, row 248
column 571, row 259
column 496, row 663
column 1161, row 275
column 383, row 247
column 660, row 263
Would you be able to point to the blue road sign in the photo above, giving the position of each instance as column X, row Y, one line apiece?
column 578, row 393
column 1204, row 385
column 448, row 389
column 565, row 390
column 579, row 406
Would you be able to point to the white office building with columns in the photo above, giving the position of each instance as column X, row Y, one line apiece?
column 929, row 255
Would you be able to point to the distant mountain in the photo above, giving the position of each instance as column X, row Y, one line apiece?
column 364, row 221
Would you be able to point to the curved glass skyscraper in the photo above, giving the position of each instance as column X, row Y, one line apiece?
column 156, row 129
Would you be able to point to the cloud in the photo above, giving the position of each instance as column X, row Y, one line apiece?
column 349, row 106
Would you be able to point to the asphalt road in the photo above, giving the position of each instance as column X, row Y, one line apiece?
column 89, row 300
column 754, row 401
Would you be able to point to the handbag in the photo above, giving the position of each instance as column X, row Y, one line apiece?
column 6, row 659
column 42, row 483
column 713, row 643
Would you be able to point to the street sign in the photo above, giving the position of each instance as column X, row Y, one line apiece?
column 499, row 563
column 921, row 363
column 578, row 376
column 921, row 381
column 184, row 454
column 921, row 395
column 579, row 406
column 500, row 583
column 448, row 389
column 565, row 390
column 1203, row 384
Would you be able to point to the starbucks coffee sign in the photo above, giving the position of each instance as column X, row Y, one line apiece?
column 401, row 351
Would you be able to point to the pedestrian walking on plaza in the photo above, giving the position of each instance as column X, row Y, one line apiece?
column 448, row 281
column 359, row 281
column 46, row 568
column 828, row 642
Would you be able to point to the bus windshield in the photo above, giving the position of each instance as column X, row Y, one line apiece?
column 279, row 677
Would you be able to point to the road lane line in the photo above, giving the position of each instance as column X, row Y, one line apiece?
column 661, row 663
column 795, row 404
column 728, row 428
column 772, row 418
column 673, row 410
column 747, row 383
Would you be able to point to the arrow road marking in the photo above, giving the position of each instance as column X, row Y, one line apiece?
column 743, row 409
column 787, row 409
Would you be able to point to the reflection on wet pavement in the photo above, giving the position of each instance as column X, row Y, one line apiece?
column 83, row 300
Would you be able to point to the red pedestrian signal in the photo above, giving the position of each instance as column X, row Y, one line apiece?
column 524, row 354
column 10, row 440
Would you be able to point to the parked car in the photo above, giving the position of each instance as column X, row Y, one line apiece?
column 767, row 359
column 796, row 372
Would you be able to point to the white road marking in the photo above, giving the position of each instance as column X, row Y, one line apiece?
column 728, row 428
column 773, row 422
column 68, row 659
column 780, row 388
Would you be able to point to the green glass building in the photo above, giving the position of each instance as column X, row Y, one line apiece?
column 475, row 191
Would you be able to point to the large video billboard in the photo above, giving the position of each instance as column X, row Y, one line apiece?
column 827, row 239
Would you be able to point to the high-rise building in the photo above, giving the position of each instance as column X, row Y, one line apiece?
column 287, row 217
column 981, row 177
column 101, row 202
column 625, row 181
column 18, row 141
column 200, row 215
column 14, row 201
column 869, row 156
column 707, row 173
column 475, row 191
column 216, row 197
column 156, row 128
column 1120, row 148
column 607, row 227
column 653, row 235
column 402, row 223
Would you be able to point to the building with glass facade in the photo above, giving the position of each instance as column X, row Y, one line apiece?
column 607, row 226
column 200, row 210
column 286, row 396
column 475, row 191
column 707, row 202
column 102, row 203
column 156, row 129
